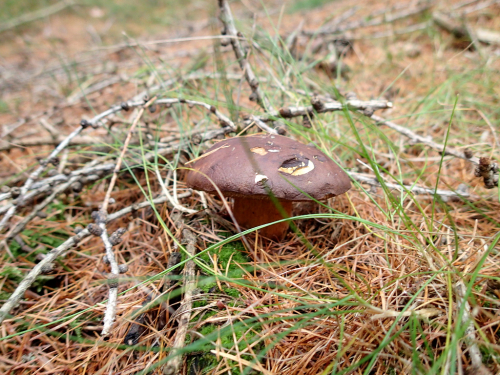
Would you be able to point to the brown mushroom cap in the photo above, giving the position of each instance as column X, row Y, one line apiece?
column 248, row 166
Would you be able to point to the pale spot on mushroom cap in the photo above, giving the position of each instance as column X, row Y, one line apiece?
column 298, row 170
column 259, row 178
column 259, row 150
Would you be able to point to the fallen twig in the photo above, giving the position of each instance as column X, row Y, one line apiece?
column 184, row 312
column 95, row 121
column 461, row 31
column 36, row 15
column 470, row 332
column 226, row 18
column 89, row 173
column 445, row 195
column 52, row 158
column 19, row 227
column 66, row 245
column 109, row 315
column 486, row 169
column 320, row 106
column 386, row 17
column 425, row 140
column 44, row 141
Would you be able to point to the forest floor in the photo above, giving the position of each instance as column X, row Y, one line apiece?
column 112, row 265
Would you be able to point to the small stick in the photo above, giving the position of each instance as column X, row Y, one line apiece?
column 485, row 168
column 33, row 176
column 66, row 245
column 386, row 18
column 337, row 21
column 224, row 120
column 230, row 30
column 470, row 332
column 417, row 190
column 421, row 139
column 184, row 311
column 45, row 141
column 324, row 107
column 88, row 173
column 109, row 315
column 261, row 124
column 36, row 15
column 19, row 227
column 461, row 31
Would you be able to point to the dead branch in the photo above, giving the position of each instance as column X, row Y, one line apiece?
column 19, row 227
column 224, row 120
column 36, row 15
column 262, row 125
column 73, row 99
column 52, row 158
column 461, row 31
column 68, row 244
column 95, row 121
column 184, row 312
column 337, row 21
column 468, row 7
column 489, row 170
column 425, row 140
column 445, row 195
column 387, row 17
column 470, row 332
column 109, row 315
column 230, row 30
column 87, row 174
column 320, row 106
column 384, row 34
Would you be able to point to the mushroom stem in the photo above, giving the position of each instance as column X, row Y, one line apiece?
column 250, row 213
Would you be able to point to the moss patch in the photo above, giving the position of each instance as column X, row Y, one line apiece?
column 229, row 259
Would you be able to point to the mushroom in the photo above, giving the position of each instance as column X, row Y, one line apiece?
column 265, row 174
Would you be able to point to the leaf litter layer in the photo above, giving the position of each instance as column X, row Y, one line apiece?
column 369, row 282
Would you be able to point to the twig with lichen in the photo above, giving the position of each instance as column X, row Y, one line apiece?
column 320, row 106
column 445, row 195
column 485, row 169
column 52, row 159
column 73, row 241
column 100, row 220
column 230, row 30
column 23, row 197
